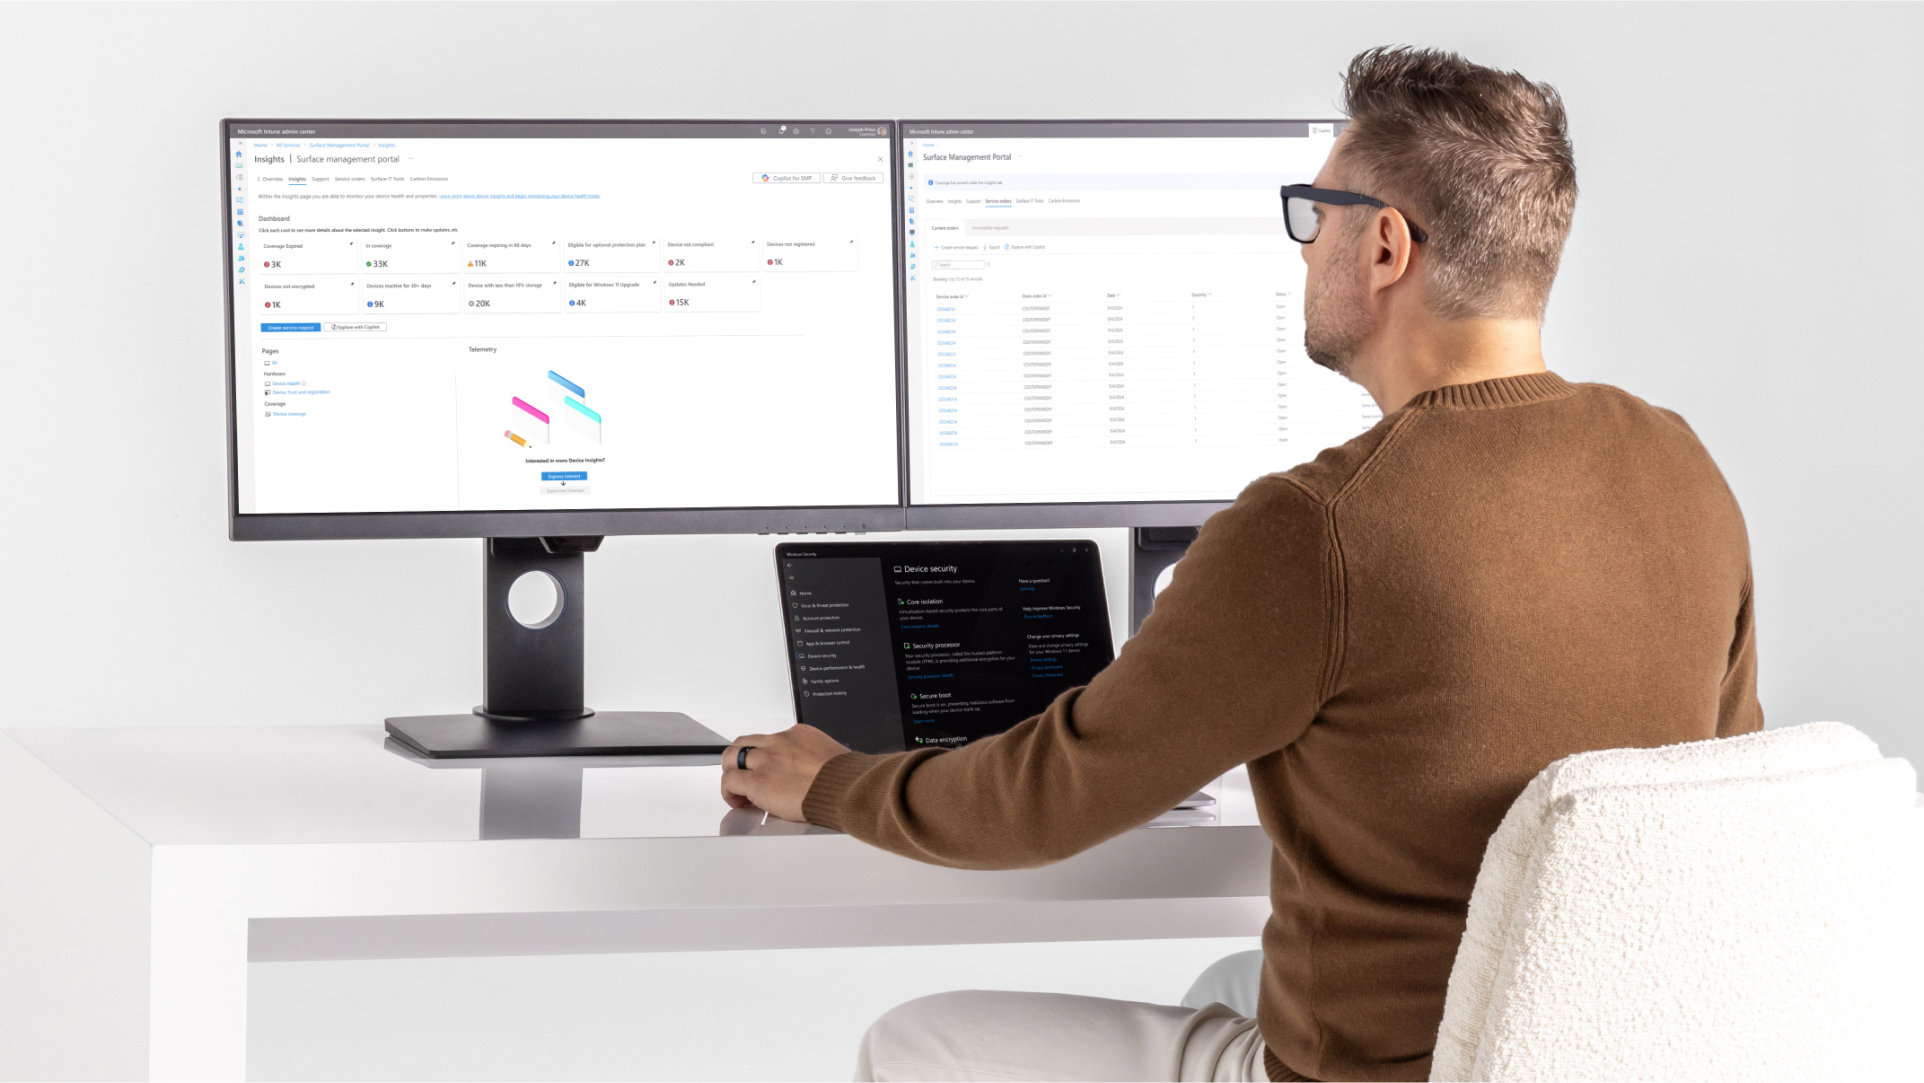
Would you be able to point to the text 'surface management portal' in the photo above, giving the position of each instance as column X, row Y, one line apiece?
column 1101, row 313
column 429, row 323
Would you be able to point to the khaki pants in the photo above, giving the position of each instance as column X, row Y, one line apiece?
column 1052, row 1036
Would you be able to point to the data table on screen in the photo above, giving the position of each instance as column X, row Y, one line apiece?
column 1109, row 311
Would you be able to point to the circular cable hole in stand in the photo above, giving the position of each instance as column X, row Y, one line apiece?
column 534, row 600
column 1163, row 577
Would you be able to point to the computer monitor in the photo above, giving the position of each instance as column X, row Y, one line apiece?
column 1104, row 320
column 542, row 332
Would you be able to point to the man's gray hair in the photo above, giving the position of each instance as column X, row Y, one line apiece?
column 1480, row 159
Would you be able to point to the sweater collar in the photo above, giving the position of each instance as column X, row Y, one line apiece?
column 1502, row 391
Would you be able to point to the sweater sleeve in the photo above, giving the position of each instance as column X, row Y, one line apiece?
column 1228, row 667
column 1738, row 710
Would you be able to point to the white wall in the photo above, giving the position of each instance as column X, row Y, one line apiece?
column 1744, row 252
column 1744, row 246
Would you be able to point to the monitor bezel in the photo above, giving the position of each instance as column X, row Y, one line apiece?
column 255, row 526
column 1047, row 514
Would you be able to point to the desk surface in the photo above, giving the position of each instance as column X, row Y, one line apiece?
column 164, row 860
column 350, row 784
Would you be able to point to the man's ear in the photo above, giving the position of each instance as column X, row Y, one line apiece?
column 1388, row 243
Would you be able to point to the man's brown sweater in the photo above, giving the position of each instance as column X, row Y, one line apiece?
column 1395, row 638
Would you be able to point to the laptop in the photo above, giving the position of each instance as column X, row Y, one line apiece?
column 903, row 645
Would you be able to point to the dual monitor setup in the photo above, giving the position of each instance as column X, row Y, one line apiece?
column 540, row 333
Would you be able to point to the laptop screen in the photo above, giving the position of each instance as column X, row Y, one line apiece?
column 896, row 645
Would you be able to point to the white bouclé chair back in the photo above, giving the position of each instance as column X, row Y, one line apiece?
column 1726, row 909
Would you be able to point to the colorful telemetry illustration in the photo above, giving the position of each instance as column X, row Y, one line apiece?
column 529, row 425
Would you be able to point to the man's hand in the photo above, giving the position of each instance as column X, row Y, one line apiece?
column 781, row 768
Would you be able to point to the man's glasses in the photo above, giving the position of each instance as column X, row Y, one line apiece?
column 1299, row 211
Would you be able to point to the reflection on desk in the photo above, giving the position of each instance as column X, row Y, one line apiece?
column 350, row 784
column 538, row 797
column 753, row 821
column 542, row 798
column 742, row 821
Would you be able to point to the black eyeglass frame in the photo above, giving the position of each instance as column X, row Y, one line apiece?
column 1341, row 199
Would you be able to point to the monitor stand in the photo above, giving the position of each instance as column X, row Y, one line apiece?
column 1151, row 549
column 533, row 675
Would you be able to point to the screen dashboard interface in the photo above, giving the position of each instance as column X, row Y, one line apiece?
column 913, row 644
column 1109, row 311
column 504, row 316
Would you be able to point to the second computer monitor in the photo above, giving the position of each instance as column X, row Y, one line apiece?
column 1105, row 321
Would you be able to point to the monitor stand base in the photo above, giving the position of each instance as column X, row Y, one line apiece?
column 533, row 675
column 601, row 733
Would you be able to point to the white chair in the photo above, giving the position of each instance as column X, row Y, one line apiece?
column 1738, row 909
column 1746, row 908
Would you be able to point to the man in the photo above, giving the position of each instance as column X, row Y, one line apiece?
column 1395, row 637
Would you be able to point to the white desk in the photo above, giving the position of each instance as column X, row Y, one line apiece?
column 143, row 869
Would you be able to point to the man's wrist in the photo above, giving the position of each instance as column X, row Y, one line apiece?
column 822, row 805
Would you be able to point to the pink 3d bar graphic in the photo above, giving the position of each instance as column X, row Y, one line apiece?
column 530, row 424
column 533, row 421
